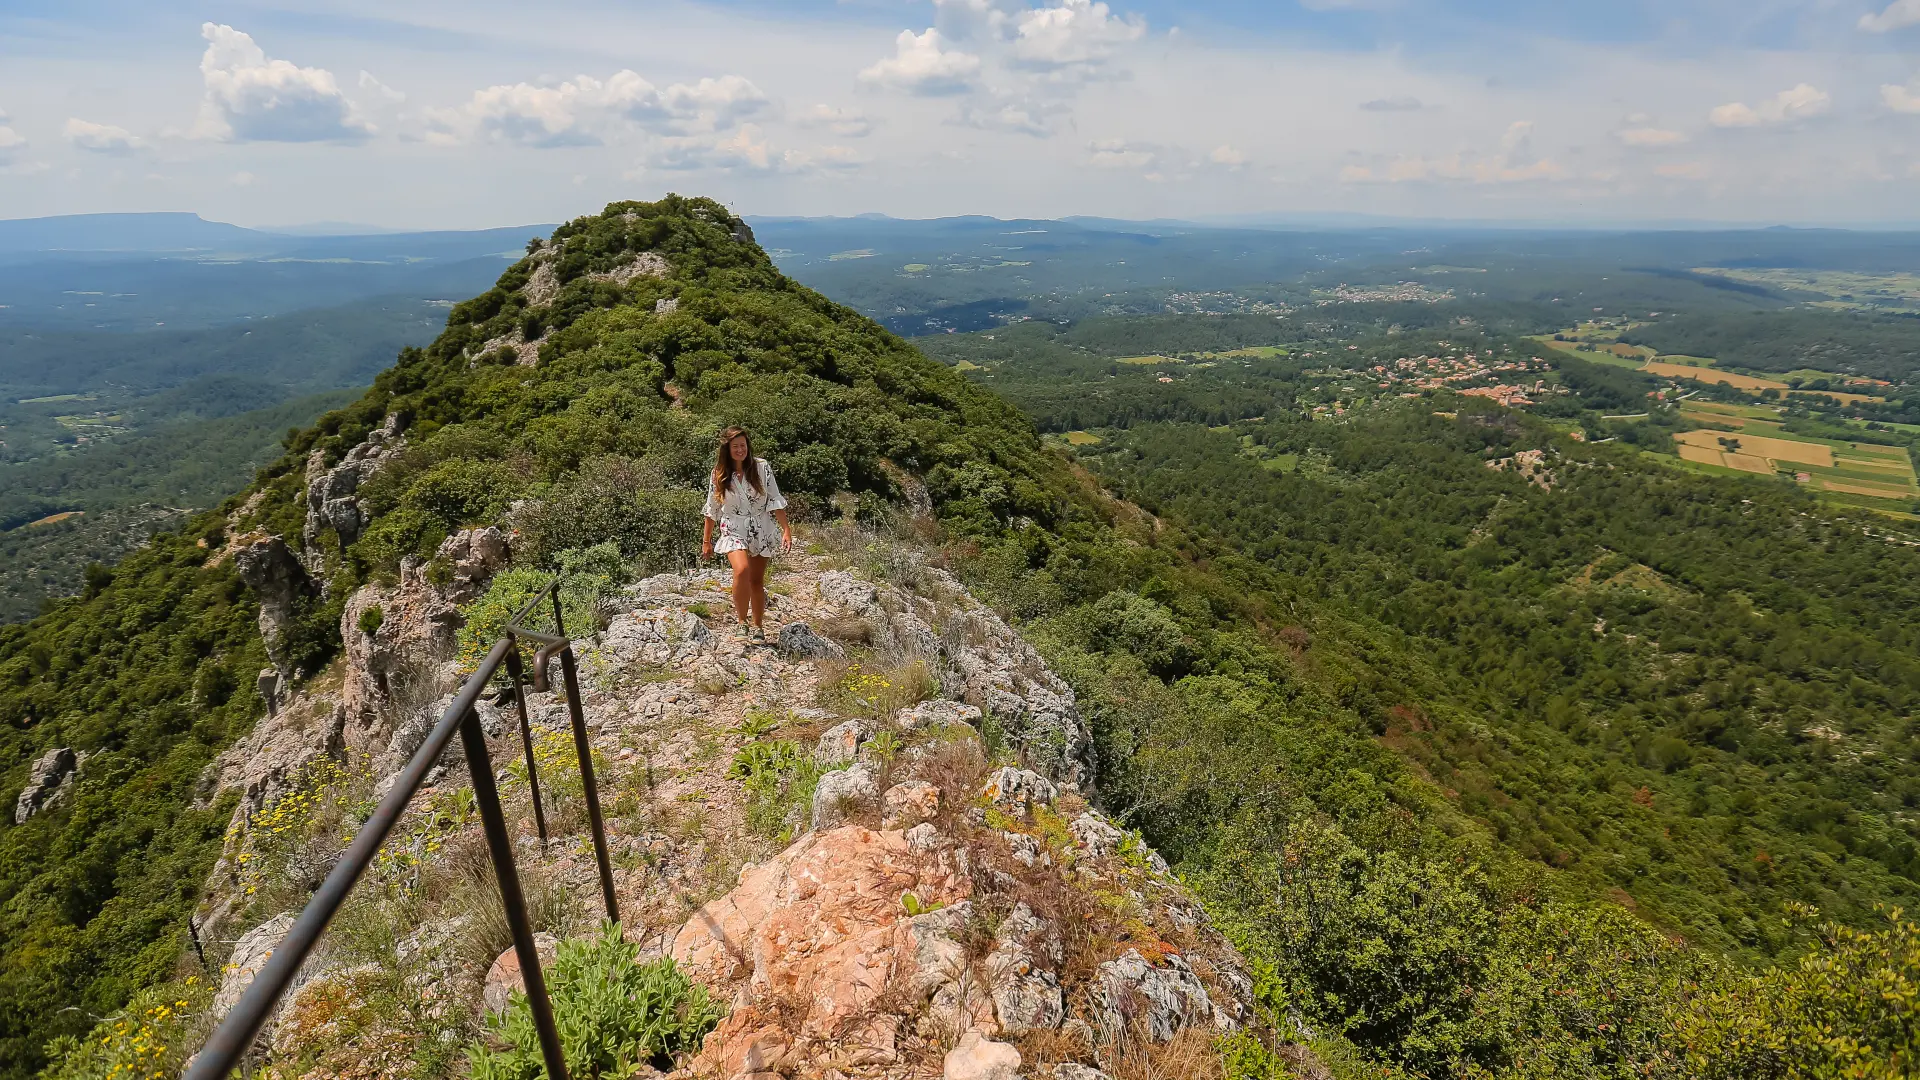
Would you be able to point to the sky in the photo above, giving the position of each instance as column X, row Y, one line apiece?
column 476, row 113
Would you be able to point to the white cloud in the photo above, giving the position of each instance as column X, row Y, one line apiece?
column 12, row 143
column 1392, row 104
column 1021, row 116
column 585, row 111
column 749, row 150
column 1077, row 34
column 921, row 64
column 1799, row 103
column 1903, row 99
column 250, row 98
column 1227, row 156
column 1900, row 13
column 1511, row 164
column 242, row 179
column 101, row 138
column 1650, row 136
column 845, row 122
column 1691, row 170
column 1120, row 154
column 381, row 90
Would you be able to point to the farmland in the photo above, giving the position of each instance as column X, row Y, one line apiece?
column 1752, row 439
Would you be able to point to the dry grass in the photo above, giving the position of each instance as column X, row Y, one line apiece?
column 1189, row 1055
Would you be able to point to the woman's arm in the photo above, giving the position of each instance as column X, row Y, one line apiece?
column 786, row 530
column 706, row 538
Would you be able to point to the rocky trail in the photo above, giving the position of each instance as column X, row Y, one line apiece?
column 871, row 837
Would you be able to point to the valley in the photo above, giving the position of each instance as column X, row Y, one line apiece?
column 1551, row 726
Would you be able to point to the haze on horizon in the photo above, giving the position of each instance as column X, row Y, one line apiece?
column 442, row 115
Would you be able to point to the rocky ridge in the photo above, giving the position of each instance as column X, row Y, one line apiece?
column 932, row 909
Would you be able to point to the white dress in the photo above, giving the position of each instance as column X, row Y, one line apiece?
column 745, row 516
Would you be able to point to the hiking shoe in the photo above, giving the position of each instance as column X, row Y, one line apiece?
column 757, row 636
column 742, row 632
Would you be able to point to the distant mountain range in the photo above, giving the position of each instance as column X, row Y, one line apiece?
column 184, row 234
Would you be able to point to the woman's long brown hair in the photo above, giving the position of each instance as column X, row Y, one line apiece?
column 723, row 465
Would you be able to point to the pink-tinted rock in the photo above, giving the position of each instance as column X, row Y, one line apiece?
column 909, row 804
column 504, row 977
column 980, row 1058
column 822, row 924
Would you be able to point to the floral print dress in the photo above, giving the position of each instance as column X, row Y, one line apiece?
column 745, row 516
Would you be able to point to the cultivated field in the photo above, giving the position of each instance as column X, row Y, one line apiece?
column 1761, row 445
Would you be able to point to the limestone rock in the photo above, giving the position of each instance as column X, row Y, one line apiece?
column 1096, row 836
column 1163, row 1001
column 923, row 838
column 937, row 713
column 1026, row 993
column 1073, row 1071
column 1015, row 791
column 980, row 1058
column 331, row 502
column 250, row 954
column 476, row 555
column 505, row 977
column 841, row 589
column 666, row 305
column 822, row 923
column 840, row 744
column 279, row 582
column 394, row 673
column 799, row 642
column 46, row 781
column 841, row 793
column 908, row 805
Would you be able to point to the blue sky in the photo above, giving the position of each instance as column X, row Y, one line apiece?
column 461, row 113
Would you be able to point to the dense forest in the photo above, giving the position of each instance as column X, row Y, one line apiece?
column 1474, row 773
column 1852, row 343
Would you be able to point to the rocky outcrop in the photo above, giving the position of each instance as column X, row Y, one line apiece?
column 918, row 910
column 397, row 671
column 331, row 493
column 979, row 657
column 46, row 782
column 474, row 556
column 250, row 954
column 279, row 582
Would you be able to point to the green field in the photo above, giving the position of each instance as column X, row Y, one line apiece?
column 1146, row 361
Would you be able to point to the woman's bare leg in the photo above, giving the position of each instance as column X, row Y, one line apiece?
column 742, row 564
column 757, row 578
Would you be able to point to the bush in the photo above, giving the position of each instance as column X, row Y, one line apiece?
column 1130, row 622
column 510, row 591
column 621, row 501
column 1848, row 1009
column 779, row 778
column 613, row 1014
column 150, row 1039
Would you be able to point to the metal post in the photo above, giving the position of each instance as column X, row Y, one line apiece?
column 500, row 846
column 585, row 750
column 526, row 738
column 584, row 747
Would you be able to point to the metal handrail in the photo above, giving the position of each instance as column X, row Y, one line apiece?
column 236, row 1033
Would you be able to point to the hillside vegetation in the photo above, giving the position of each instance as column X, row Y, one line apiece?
column 1339, row 699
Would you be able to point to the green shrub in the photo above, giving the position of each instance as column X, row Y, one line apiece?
column 580, row 596
column 370, row 619
column 779, row 778
column 150, row 1039
column 1850, row 1009
column 630, row 503
column 613, row 1014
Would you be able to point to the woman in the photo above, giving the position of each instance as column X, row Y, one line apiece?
column 746, row 504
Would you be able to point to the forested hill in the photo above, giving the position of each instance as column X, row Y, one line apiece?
column 577, row 402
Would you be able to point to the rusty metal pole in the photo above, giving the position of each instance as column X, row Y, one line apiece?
column 500, row 846
column 583, row 745
column 526, row 738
